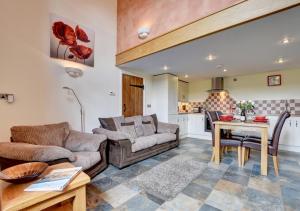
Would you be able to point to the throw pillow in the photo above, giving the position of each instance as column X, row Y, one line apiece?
column 138, row 124
column 112, row 124
column 153, row 119
column 129, row 129
column 148, row 128
column 108, row 124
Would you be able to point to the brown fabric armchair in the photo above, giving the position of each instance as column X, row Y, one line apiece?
column 53, row 144
column 125, row 150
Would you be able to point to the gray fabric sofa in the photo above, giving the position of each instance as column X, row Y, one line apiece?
column 53, row 144
column 151, row 138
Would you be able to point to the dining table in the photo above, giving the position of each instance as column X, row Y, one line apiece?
column 246, row 126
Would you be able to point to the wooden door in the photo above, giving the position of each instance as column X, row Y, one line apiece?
column 132, row 95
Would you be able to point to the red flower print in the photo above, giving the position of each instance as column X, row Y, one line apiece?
column 81, row 35
column 81, row 52
column 65, row 33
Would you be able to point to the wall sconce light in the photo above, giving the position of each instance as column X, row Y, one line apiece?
column 10, row 98
column 143, row 32
column 74, row 72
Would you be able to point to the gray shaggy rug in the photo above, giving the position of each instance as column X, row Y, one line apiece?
column 168, row 179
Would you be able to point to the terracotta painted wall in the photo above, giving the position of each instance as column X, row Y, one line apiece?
column 161, row 16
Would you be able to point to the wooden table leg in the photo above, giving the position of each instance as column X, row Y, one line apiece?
column 79, row 202
column 264, row 152
column 217, row 144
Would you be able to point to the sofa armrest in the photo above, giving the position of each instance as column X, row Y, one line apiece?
column 166, row 127
column 80, row 142
column 31, row 152
column 112, row 135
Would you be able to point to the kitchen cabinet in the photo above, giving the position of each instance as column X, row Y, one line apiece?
column 196, row 124
column 183, row 91
column 182, row 121
column 196, row 127
column 290, row 135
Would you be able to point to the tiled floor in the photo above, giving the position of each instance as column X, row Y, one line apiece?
column 223, row 187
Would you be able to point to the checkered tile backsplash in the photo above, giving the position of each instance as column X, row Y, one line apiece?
column 223, row 102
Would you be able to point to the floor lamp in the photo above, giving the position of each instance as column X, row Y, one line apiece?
column 81, row 108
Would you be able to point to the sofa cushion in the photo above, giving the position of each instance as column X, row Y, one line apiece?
column 148, row 128
column 79, row 141
column 138, row 124
column 118, row 121
column 52, row 134
column 164, row 137
column 86, row 159
column 111, row 135
column 153, row 119
column 32, row 152
column 129, row 128
column 143, row 142
column 112, row 123
column 166, row 127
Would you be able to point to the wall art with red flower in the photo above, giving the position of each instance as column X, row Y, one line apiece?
column 71, row 41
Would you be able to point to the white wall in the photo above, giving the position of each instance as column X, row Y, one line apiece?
column 252, row 87
column 197, row 90
column 36, row 80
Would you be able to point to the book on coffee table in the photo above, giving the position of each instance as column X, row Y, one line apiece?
column 56, row 180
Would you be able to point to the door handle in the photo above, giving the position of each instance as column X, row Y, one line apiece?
column 124, row 107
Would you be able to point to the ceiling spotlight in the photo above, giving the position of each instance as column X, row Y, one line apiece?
column 280, row 61
column 286, row 41
column 210, row 57
column 165, row 68
column 186, row 76
column 143, row 32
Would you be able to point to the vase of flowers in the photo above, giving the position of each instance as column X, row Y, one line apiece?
column 245, row 108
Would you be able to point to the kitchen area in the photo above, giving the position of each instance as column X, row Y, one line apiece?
column 176, row 104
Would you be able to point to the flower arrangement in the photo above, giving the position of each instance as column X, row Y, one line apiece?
column 245, row 107
column 70, row 37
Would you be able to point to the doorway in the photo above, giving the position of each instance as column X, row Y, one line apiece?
column 132, row 95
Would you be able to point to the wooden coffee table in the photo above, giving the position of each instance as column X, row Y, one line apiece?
column 14, row 197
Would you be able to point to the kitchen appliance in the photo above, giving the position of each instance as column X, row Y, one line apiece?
column 217, row 85
column 197, row 110
column 207, row 126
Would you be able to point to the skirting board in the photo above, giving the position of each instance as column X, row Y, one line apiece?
column 199, row 136
column 289, row 148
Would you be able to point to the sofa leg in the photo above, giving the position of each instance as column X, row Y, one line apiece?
column 275, row 162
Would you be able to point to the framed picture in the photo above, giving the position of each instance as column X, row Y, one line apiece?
column 71, row 41
column 274, row 80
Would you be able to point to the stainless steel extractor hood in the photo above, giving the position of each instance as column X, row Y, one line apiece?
column 217, row 85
